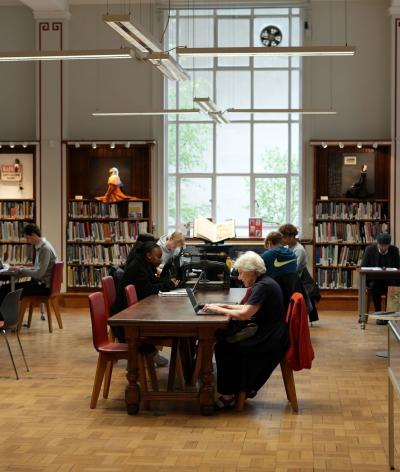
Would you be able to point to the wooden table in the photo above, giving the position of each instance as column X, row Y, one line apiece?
column 11, row 274
column 168, row 317
column 394, row 381
column 373, row 273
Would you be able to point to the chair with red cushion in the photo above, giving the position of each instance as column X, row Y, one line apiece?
column 110, row 294
column 109, row 352
column 50, row 300
column 131, row 295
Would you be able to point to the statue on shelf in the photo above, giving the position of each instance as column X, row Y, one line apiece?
column 114, row 192
column 359, row 188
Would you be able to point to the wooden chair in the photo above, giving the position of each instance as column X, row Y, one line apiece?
column 50, row 300
column 109, row 292
column 109, row 352
column 131, row 295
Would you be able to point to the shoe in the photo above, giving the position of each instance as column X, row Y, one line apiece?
column 160, row 361
column 222, row 403
column 381, row 322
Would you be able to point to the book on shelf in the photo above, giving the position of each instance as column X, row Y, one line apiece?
column 255, row 227
column 135, row 209
column 205, row 229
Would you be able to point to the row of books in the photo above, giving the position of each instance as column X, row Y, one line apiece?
column 339, row 255
column 116, row 254
column 11, row 231
column 85, row 276
column 337, row 278
column 124, row 231
column 18, row 210
column 365, row 232
column 350, row 211
column 83, row 209
column 16, row 253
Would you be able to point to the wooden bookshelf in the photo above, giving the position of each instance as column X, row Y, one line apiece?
column 344, row 226
column 101, row 235
column 16, row 208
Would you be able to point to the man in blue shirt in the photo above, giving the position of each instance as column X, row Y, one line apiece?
column 278, row 259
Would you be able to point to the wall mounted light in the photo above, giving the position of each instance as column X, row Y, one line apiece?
column 94, row 145
column 24, row 145
column 375, row 145
column 112, row 146
column 77, row 145
column 12, row 145
column 127, row 145
column 359, row 145
column 341, row 145
column 1, row 146
column 324, row 144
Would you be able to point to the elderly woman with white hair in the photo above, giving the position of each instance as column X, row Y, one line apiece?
column 257, row 337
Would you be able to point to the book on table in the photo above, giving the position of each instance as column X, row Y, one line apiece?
column 205, row 229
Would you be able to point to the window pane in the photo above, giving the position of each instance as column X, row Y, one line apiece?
column 233, row 148
column 172, row 201
column 271, row 91
column 197, row 34
column 233, row 199
column 271, row 148
column 295, row 37
column 171, row 33
column 233, row 12
column 295, row 201
column 271, row 199
column 234, row 91
column 195, row 147
column 295, row 90
column 271, row 11
column 172, row 148
column 195, row 199
column 171, row 97
column 259, row 25
column 295, row 148
column 233, row 32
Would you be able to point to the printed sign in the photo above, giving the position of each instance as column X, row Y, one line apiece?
column 11, row 173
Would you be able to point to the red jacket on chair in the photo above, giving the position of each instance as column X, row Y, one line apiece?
column 301, row 353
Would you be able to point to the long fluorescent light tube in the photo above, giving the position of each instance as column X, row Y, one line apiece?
column 206, row 104
column 300, row 111
column 133, row 32
column 268, row 51
column 168, row 65
column 140, row 113
column 66, row 55
column 219, row 117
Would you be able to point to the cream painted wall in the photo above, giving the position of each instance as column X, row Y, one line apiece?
column 17, row 80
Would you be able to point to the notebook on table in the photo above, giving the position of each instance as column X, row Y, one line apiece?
column 198, row 307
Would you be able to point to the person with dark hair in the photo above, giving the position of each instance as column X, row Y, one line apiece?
column 289, row 233
column 142, row 238
column 380, row 254
column 142, row 273
column 41, row 272
column 277, row 258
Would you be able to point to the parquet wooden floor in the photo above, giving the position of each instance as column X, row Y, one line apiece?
column 46, row 424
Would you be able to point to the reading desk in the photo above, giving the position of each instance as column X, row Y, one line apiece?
column 173, row 317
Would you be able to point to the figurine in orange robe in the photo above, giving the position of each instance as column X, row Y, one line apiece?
column 114, row 192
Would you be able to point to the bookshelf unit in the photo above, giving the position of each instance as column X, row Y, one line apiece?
column 17, row 205
column 345, row 225
column 99, row 235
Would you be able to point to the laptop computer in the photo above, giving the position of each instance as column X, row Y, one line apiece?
column 198, row 307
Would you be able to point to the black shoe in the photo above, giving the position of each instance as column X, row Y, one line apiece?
column 381, row 322
column 222, row 403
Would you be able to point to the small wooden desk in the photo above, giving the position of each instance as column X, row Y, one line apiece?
column 175, row 318
column 374, row 273
column 12, row 275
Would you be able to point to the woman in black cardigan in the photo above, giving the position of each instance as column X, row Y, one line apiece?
column 142, row 273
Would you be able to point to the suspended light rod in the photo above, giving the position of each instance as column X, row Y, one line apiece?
column 268, row 51
column 124, row 53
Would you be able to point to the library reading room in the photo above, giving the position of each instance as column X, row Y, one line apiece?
column 199, row 235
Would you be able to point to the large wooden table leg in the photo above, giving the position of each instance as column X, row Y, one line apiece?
column 206, row 394
column 132, row 391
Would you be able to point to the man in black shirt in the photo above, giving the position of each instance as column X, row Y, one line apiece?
column 380, row 254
